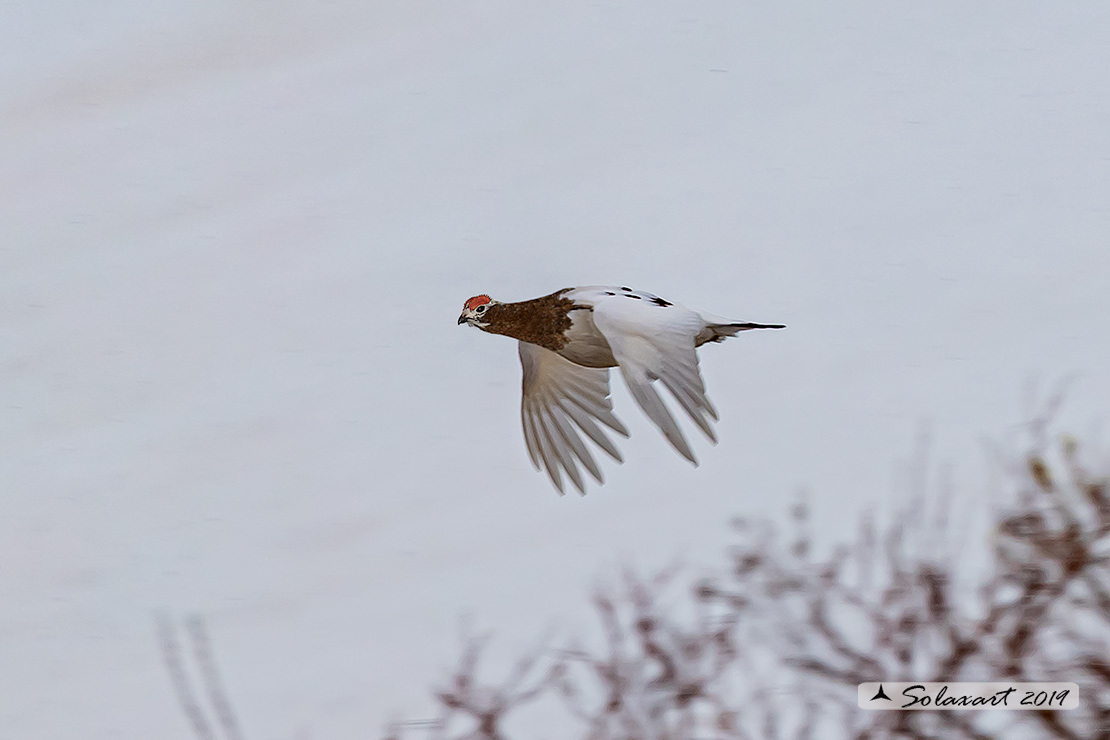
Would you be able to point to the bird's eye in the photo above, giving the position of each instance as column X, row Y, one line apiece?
column 481, row 309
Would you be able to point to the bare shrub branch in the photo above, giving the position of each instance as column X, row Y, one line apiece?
column 173, row 656
column 774, row 647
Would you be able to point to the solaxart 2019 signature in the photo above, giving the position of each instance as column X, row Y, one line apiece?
column 909, row 696
column 1004, row 698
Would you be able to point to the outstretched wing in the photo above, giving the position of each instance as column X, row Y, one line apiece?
column 560, row 398
column 651, row 340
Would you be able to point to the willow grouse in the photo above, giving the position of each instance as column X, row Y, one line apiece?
column 569, row 340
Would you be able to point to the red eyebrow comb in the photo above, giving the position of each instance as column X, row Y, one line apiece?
column 476, row 301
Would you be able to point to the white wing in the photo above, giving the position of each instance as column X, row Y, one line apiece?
column 651, row 340
column 555, row 393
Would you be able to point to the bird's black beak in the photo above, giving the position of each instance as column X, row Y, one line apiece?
column 462, row 320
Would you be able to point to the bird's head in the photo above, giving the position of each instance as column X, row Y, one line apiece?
column 474, row 309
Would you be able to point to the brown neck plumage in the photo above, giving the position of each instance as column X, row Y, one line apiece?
column 542, row 321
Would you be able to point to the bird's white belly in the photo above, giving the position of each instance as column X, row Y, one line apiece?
column 585, row 344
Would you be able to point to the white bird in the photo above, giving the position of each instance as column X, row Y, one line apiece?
column 569, row 340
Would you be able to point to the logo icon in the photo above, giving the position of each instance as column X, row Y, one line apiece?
column 880, row 694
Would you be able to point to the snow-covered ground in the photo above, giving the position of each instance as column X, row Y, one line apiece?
column 235, row 238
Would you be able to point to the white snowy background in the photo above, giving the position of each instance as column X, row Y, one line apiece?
column 236, row 236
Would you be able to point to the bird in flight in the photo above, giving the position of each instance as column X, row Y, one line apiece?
column 568, row 341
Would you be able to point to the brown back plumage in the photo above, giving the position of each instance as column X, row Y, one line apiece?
column 541, row 321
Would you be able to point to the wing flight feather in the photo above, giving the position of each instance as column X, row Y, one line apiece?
column 652, row 341
column 560, row 399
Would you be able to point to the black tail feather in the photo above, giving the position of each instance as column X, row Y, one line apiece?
column 744, row 326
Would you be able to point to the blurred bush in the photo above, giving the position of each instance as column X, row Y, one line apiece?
column 774, row 648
